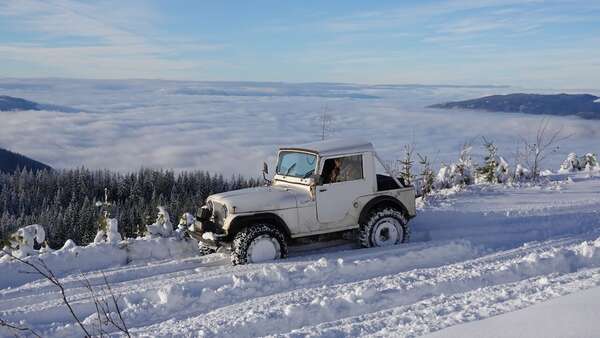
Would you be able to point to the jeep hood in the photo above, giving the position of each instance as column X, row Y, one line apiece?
column 260, row 198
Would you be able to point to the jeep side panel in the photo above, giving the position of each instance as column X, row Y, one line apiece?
column 335, row 200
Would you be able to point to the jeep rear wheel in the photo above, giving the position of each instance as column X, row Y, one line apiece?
column 384, row 227
column 258, row 243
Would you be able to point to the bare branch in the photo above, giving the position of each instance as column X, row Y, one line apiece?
column 545, row 142
column 4, row 323
column 88, row 286
column 49, row 275
column 116, row 304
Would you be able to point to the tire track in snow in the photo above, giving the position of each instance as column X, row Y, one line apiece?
column 443, row 311
column 183, row 296
column 286, row 311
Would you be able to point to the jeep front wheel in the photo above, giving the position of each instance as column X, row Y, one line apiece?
column 205, row 250
column 258, row 243
column 384, row 227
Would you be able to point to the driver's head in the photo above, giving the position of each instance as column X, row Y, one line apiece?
column 338, row 162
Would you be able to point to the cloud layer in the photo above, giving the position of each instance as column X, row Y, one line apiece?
column 128, row 124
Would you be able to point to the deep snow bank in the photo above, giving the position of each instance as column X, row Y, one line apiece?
column 505, row 216
column 96, row 256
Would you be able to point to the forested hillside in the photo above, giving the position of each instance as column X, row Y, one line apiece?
column 64, row 201
column 582, row 105
column 10, row 161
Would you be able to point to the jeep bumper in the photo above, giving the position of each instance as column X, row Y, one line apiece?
column 207, row 232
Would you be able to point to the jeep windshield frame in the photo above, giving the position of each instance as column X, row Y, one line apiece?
column 296, row 164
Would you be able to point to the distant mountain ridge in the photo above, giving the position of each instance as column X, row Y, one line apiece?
column 9, row 162
column 582, row 105
column 9, row 103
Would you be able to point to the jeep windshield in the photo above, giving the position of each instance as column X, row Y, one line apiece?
column 296, row 164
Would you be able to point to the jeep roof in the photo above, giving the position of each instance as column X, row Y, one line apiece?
column 333, row 147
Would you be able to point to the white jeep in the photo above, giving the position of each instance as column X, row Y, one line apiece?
column 320, row 190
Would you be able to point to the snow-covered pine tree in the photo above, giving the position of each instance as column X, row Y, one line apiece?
column 162, row 226
column 406, row 165
column 487, row 172
column 22, row 242
column 502, row 171
column 443, row 178
column 427, row 177
column 185, row 222
column 86, row 216
column 521, row 173
column 108, row 230
column 589, row 162
column 464, row 168
column 570, row 164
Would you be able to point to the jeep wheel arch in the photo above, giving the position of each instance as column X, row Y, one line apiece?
column 380, row 202
column 240, row 222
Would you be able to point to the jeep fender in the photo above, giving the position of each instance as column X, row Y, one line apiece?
column 240, row 222
column 378, row 202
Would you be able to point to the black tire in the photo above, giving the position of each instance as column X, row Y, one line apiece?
column 243, row 239
column 204, row 250
column 367, row 231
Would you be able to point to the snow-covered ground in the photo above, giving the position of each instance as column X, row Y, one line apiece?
column 476, row 254
column 574, row 315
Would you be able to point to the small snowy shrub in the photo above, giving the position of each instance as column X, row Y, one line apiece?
column 162, row 226
column 185, row 222
column 427, row 177
column 108, row 228
column 587, row 162
column 571, row 164
column 407, row 164
column 521, row 173
column 456, row 174
column 502, row 171
column 443, row 178
column 21, row 243
column 462, row 173
column 495, row 168
column 109, row 232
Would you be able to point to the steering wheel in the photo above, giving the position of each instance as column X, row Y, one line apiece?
column 309, row 173
column 287, row 172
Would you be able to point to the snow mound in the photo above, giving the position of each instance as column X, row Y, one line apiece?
column 162, row 226
column 96, row 256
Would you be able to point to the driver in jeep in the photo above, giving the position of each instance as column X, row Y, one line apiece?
column 340, row 170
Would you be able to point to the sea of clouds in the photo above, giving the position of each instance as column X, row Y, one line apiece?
column 232, row 127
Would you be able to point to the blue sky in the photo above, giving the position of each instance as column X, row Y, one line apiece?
column 549, row 44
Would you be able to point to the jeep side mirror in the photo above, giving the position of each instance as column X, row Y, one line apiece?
column 315, row 179
column 265, row 172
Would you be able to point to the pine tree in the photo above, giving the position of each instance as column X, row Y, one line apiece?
column 487, row 172
column 407, row 164
column 427, row 177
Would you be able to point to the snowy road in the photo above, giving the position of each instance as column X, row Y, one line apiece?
column 476, row 254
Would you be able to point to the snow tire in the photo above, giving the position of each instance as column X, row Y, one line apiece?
column 204, row 250
column 391, row 217
column 244, row 238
